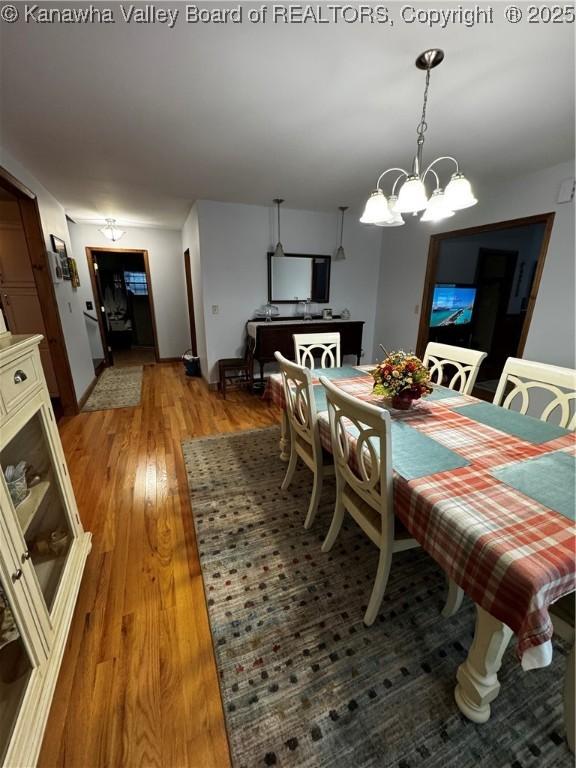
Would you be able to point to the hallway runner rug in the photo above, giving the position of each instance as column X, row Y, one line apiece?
column 117, row 387
column 304, row 683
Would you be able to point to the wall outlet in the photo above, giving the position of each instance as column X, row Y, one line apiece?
column 215, row 309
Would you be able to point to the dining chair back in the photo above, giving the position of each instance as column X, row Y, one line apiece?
column 556, row 387
column 304, row 432
column 324, row 345
column 364, row 485
column 458, row 365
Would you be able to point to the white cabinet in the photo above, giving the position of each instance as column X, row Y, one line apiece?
column 43, row 549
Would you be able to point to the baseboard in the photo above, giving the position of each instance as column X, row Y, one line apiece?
column 88, row 392
column 169, row 359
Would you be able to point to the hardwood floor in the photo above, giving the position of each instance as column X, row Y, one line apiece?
column 138, row 684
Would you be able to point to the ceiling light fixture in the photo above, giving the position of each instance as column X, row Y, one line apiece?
column 340, row 255
column 111, row 231
column 278, row 251
column 412, row 196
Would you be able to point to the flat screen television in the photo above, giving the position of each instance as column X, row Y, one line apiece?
column 452, row 305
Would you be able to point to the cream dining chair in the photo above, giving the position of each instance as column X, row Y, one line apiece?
column 556, row 385
column 304, row 431
column 305, row 344
column 459, row 364
column 365, row 492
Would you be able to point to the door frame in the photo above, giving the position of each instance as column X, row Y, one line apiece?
column 90, row 252
column 431, row 268
column 37, row 251
column 190, row 295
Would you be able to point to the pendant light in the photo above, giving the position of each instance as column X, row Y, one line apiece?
column 412, row 196
column 111, row 231
column 278, row 251
column 340, row 255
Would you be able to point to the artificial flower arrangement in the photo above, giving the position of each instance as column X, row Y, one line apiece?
column 401, row 377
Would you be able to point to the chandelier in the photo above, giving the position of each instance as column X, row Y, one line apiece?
column 111, row 231
column 412, row 195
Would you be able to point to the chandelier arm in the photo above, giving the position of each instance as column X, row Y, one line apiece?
column 396, row 182
column 431, row 170
column 389, row 170
column 438, row 159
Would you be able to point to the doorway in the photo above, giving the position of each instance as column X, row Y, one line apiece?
column 27, row 294
column 190, row 295
column 125, row 305
column 480, row 289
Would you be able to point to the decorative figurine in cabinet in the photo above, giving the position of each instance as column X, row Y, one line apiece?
column 43, row 550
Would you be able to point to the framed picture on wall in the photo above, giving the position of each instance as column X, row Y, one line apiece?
column 73, row 273
column 59, row 247
column 55, row 266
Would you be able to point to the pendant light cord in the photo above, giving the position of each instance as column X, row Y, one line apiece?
column 341, row 226
column 278, row 208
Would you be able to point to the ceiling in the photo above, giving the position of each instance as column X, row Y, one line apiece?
column 138, row 121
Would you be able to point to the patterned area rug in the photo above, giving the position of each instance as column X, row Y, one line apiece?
column 304, row 683
column 116, row 388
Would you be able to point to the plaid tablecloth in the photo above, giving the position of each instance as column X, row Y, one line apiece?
column 511, row 554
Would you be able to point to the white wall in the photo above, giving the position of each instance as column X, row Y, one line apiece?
column 234, row 240
column 405, row 251
column 166, row 262
column 191, row 241
column 69, row 304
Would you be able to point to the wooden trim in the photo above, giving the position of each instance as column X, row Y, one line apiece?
column 549, row 223
column 31, row 222
column 190, row 294
column 434, row 250
column 169, row 359
column 82, row 401
column 90, row 251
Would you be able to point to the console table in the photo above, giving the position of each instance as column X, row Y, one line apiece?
column 276, row 336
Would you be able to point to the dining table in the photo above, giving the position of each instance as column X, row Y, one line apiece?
column 489, row 494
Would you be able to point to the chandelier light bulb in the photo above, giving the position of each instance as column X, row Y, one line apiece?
column 111, row 231
column 459, row 193
column 412, row 197
column 396, row 220
column 438, row 207
column 376, row 210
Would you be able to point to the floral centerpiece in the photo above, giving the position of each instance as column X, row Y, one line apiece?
column 402, row 378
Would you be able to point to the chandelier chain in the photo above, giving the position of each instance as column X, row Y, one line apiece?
column 423, row 125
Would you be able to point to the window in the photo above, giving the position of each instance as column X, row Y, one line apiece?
column 136, row 283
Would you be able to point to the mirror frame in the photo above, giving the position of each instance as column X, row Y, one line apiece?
column 324, row 256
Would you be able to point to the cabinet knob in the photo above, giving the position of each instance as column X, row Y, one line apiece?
column 19, row 377
column 17, row 575
column 26, row 556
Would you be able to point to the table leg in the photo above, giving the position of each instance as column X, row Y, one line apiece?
column 478, row 676
column 284, row 437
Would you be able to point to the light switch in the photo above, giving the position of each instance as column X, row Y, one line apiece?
column 416, row 309
column 215, row 309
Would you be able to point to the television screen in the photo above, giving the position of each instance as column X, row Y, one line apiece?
column 452, row 305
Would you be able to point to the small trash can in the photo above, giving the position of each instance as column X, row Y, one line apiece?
column 191, row 364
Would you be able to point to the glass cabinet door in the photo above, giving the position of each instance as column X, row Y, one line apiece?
column 36, row 495
column 15, row 671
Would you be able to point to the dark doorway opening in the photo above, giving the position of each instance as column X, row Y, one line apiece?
column 125, row 306
column 480, row 290
column 190, row 295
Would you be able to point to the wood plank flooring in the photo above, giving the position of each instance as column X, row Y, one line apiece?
column 138, row 684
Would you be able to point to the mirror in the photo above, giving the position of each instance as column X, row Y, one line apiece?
column 297, row 277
